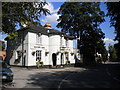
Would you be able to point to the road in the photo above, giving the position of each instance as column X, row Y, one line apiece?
column 97, row 76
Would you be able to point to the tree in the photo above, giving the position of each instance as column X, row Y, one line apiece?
column 114, row 14
column 2, row 45
column 82, row 19
column 112, row 52
column 17, row 13
column 117, row 48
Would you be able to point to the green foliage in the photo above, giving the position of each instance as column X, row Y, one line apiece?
column 67, row 62
column 14, row 13
column 2, row 45
column 82, row 19
column 117, row 48
column 12, row 35
column 112, row 51
column 39, row 63
column 114, row 14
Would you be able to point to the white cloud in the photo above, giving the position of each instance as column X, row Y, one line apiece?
column 52, row 19
column 108, row 40
column 50, row 7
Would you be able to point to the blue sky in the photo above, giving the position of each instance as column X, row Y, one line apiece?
column 52, row 19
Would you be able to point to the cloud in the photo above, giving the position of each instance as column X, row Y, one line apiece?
column 50, row 7
column 108, row 40
column 52, row 19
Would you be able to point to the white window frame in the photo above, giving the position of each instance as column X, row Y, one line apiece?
column 39, row 38
column 38, row 55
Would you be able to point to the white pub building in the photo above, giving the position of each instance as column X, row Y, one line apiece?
column 45, row 44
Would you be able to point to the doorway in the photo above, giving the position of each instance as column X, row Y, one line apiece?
column 62, row 58
column 54, row 59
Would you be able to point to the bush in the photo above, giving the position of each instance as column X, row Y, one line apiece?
column 67, row 62
column 39, row 63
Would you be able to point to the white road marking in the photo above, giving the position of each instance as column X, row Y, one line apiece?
column 65, row 79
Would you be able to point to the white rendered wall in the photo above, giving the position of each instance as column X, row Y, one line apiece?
column 50, row 44
column 31, row 43
column 54, row 46
column 45, row 43
column 33, row 47
column 71, row 56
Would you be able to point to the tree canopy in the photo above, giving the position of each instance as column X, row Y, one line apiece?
column 112, row 52
column 2, row 45
column 77, row 16
column 114, row 14
column 82, row 19
column 17, row 13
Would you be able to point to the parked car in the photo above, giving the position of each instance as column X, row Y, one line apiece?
column 7, row 74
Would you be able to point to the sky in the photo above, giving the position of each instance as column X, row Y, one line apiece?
column 52, row 19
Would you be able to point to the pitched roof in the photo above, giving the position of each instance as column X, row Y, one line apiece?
column 40, row 29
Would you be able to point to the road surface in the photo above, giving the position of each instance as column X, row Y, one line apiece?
column 96, row 76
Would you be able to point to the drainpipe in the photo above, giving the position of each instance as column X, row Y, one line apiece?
column 23, row 61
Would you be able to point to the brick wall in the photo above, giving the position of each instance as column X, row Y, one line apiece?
column 3, row 54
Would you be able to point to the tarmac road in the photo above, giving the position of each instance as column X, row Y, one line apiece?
column 97, row 76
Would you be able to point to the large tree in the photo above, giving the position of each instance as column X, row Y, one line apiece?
column 16, row 13
column 112, row 52
column 114, row 13
column 2, row 45
column 82, row 19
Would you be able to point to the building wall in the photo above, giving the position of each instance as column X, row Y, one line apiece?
column 54, row 47
column 3, row 54
column 45, row 43
column 33, row 46
column 50, row 44
column 72, row 60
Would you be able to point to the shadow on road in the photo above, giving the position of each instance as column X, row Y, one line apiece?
column 47, row 79
column 94, row 76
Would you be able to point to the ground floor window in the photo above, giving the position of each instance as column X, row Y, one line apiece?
column 38, row 55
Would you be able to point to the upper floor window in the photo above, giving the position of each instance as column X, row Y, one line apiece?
column 38, row 38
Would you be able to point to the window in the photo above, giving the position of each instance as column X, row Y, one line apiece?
column 38, row 55
column 38, row 38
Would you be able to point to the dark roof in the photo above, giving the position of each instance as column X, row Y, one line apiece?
column 40, row 29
